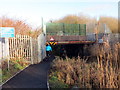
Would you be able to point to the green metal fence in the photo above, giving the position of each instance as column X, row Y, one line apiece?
column 65, row 29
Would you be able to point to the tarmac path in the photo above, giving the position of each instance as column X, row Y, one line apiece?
column 34, row 76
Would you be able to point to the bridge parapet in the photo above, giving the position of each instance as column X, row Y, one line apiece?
column 67, row 38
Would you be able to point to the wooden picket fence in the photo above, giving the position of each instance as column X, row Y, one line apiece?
column 20, row 47
column 25, row 47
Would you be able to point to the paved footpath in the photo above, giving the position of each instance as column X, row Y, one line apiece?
column 34, row 76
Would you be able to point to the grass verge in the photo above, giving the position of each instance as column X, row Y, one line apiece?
column 15, row 65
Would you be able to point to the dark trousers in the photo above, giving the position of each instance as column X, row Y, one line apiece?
column 48, row 53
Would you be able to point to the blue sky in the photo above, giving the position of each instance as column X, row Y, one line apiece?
column 32, row 10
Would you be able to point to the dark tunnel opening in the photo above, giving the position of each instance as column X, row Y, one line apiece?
column 71, row 50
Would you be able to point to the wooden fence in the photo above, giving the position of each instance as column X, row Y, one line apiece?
column 20, row 47
column 25, row 47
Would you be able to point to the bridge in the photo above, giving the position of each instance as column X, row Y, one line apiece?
column 75, row 33
column 74, row 37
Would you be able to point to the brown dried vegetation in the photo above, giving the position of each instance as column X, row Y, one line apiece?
column 105, row 73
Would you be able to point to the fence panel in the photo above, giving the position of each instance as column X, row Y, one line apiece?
column 24, row 47
column 65, row 29
column 102, row 28
column 20, row 47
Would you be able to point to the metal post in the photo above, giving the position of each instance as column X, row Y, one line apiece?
column 42, row 23
column 79, row 29
column 85, row 29
column 63, row 29
column 96, row 32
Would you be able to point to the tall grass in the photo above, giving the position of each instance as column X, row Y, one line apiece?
column 108, row 66
column 105, row 73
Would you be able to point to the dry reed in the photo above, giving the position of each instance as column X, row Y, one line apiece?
column 105, row 73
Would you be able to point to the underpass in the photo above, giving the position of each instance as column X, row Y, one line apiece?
column 71, row 40
column 68, row 40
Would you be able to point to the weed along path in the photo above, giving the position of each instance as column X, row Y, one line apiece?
column 34, row 76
